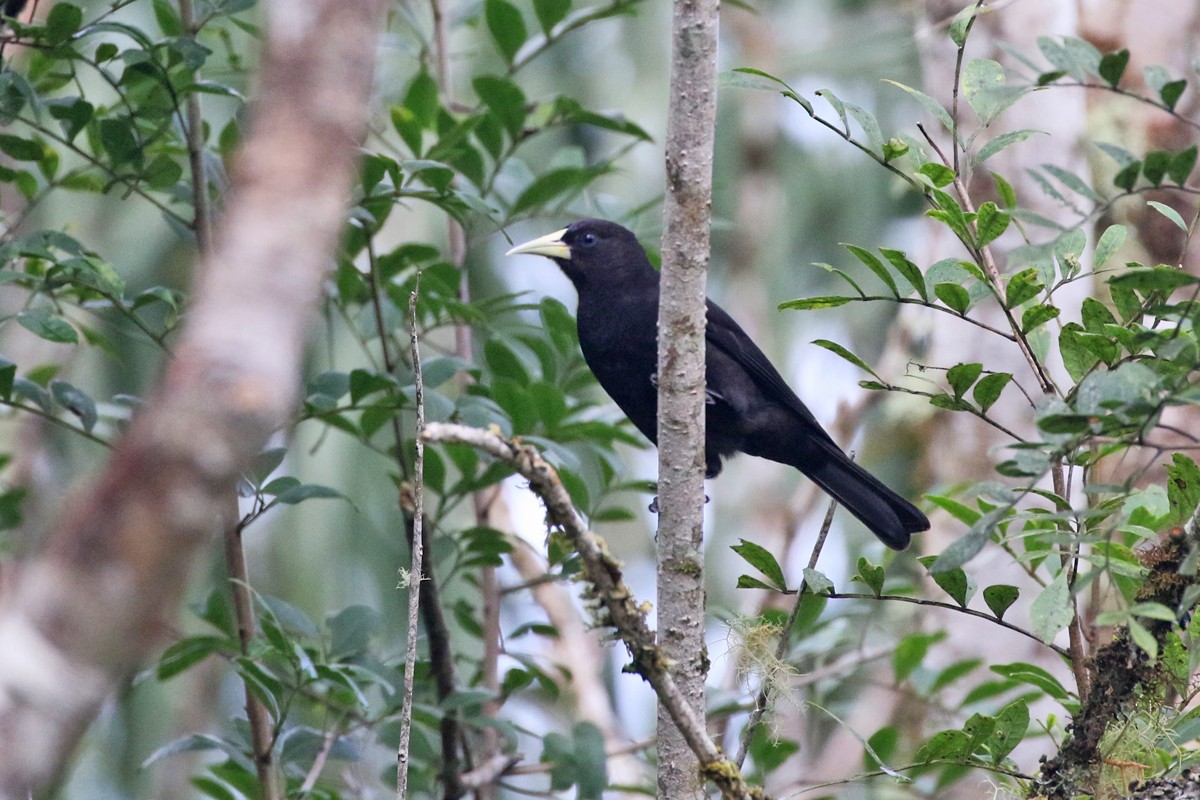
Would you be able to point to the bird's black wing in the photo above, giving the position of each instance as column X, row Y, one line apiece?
column 723, row 333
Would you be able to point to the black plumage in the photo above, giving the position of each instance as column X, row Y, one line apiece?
column 751, row 409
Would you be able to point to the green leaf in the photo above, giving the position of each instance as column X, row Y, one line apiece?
column 750, row 78
column 307, row 491
column 807, row 303
column 1074, row 183
column 1034, row 676
column 961, row 24
column 747, row 582
column 1127, row 178
column 1096, row 316
column 869, row 125
column 590, row 761
column 963, row 513
column 76, row 401
column 962, row 376
column 62, row 22
column 186, row 653
column 870, row 574
column 985, row 88
column 895, row 148
column 988, row 390
column 119, row 140
column 1012, row 723
column 875, row 265
column 910, row 271
column 1004, row 189
column 953, row 582
column 769, row 750
column 1051, row 611
column 21, row 149
column 1155, row 165
column 1143, row 638
column 839, row 108
column 1171, row 92
column 836, row 348
column 953, row 295
column 1112, row 66
column 944, row 745
column 928, row 103
column 8, row 372
column 1169, row 213
column 1182, row 164
column 1022, row 287
column 506, row 25
column 938, row 174
column 762, row 560
column 990, row 223
column 1002, row 141
column 505, row 100
column 1156, row 611
column 73, row 113
column 1036, row 316
column 504, row 362
column 1110, row 241
column 1120, row 155
column 553, row 184
column 967, row 546
column 911, row 651
column 550, row 12
column 167, row 18
column 816, row 582
column 48, row 325
column 999, row 597
column 421, row 98
column 1183, row 488
column 1156, row 279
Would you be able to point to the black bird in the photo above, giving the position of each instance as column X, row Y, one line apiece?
column 751, row 409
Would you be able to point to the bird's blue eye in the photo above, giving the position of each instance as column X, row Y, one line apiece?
column 587, row 240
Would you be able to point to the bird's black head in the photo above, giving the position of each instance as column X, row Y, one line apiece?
column 591, row 251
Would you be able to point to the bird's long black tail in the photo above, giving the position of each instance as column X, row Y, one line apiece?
column 888, row 515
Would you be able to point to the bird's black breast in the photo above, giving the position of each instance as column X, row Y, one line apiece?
column 619, row 342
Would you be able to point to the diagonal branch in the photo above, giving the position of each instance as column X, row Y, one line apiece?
column 608, row 590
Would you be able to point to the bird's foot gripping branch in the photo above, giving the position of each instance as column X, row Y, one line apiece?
column 620, row 609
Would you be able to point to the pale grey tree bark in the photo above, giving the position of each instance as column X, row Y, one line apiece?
column 98, row 599
column 691, row 124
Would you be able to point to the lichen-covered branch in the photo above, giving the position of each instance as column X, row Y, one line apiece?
column 691, row 131
column 607, row 589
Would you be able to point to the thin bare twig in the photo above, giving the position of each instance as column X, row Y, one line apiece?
column 785, row 642
column 414, row 575
column 917, row 601
column 194, row 135
column 318, row 764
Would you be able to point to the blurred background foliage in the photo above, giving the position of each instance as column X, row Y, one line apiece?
column 504, row 134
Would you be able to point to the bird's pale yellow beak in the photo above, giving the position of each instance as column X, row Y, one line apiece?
column 551, row 245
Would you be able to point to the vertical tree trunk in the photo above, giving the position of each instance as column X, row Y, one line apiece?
column 690, row 132
column 88, row 609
